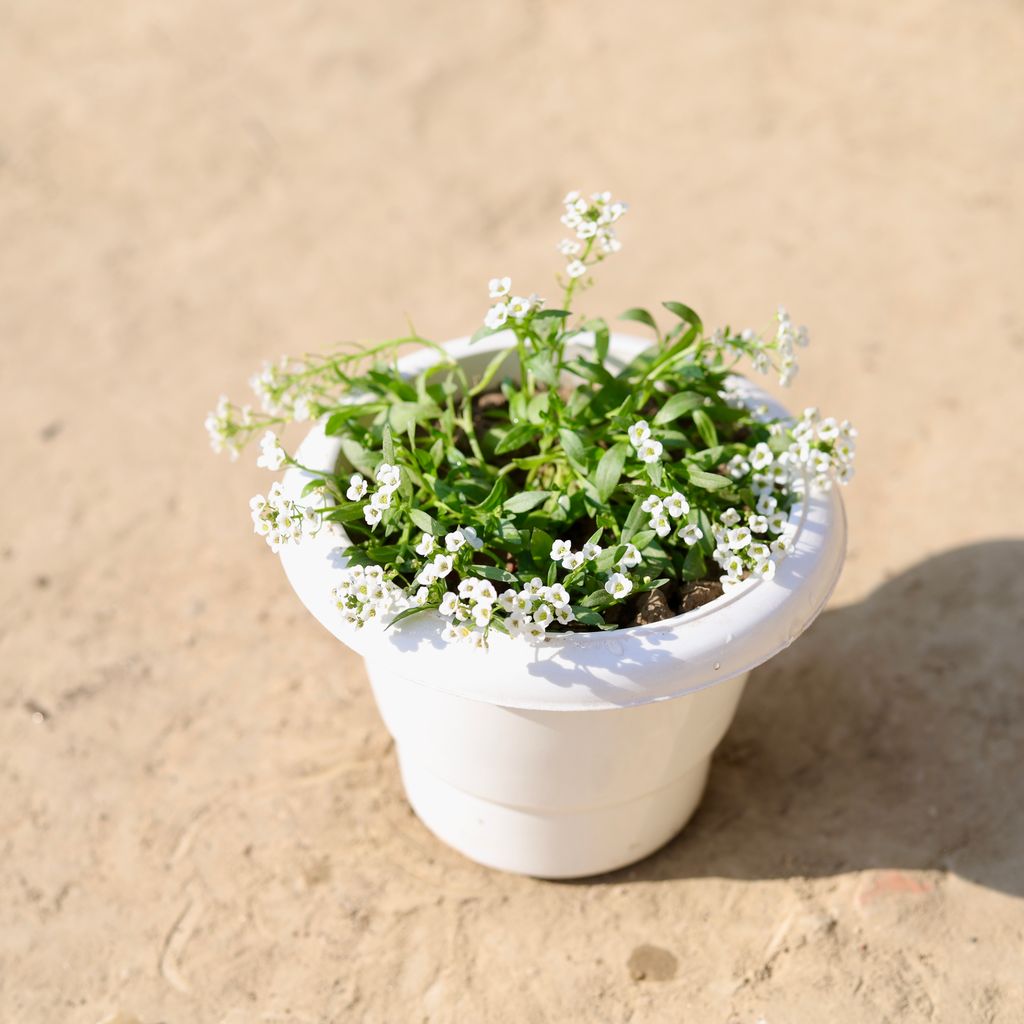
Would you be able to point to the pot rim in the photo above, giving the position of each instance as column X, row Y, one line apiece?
column 617, row 668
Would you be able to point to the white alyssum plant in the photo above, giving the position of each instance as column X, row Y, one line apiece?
column 525, row 507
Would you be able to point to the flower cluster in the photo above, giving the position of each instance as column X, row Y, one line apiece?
column 389, row 479
column 509, row 306
column 591, row 220
column 777, row 352
column 272, row 456
column 647, row 448
column 284, row 391
column 529, row 611
column 364, row 594
column 280, row 520
column 663, row 510
column 222, row 429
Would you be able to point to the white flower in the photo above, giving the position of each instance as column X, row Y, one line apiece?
column 534, row 632
column 676, row 505
column 758, row 524
column 730, row 517
column 450, row 634
column 781, row 546
column 650, row 450
column 828, row 429
column 517, row 623
column 507, row 600
column 519, row 308
column 569, row 247
column 564, row 615
column 638, row 433
column 738, row 467
column 485, row 593
column 767, row 504
column 499, row 286
column 573, row 560
column 426, row 545
column 271, row 453
column 380, row 500
column 652, row 504
column 560, row 549
column 759, row 551
column 765, row 570
column 777, row 522
column 586, row 229
column 454, row 540
column 761, row 456
column 496, row 316
column 576, row 268
column 734, row 566
column 692, row 533
column 630, row 558
column 357, row 487
column 522, row 603
column 591, row 551
column 388, row 477
column 739, row 537
column 543, row 615
column 557, row 596
column 419, row 599
column 482, row 614
column 427, row 575
column 449, row 604
column 443, row 565
column 618, row 585
column 468, row 589
column 661, row 525
column 534, row 587
column 372, row 515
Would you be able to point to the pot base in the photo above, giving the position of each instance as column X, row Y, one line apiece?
column 573, row 844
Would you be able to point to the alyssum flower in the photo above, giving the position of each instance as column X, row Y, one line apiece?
column 556, row 498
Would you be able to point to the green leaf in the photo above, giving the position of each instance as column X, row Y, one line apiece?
column 635, row 519
column 491, row 372
column 526, row 500
column 641, row 316
column 540, row 546
column 427, row 523
column 707, row 481
column 408, row 613
column 403, row 415
column 546, row 314
column 609, row 470
column 494, row 572
column 574, row 449
column 516, row 438
column 538, row 406
column 685, row 313
column 706, row 429
column 387, row 445
column 589, row 617
column 598, row 599
column 483, row 332
column 358, row 457
column 497, row 495
column 337, row 420
column 313, row 485
column 694, row 567
column 678, row 405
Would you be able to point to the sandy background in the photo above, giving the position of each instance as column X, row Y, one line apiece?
column 200, row 816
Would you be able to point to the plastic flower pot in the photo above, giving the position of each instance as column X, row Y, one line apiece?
column 588, row 751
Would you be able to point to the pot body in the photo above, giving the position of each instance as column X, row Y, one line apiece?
column 591, row 750
column 552, row 793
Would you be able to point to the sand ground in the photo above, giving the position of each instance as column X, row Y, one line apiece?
column 200, row 815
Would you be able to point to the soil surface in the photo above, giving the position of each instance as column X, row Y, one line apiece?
column 201, row 818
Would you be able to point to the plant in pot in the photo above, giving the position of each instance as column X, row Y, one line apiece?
column 559, row 549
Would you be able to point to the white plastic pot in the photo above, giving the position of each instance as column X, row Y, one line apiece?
column 591, row 750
